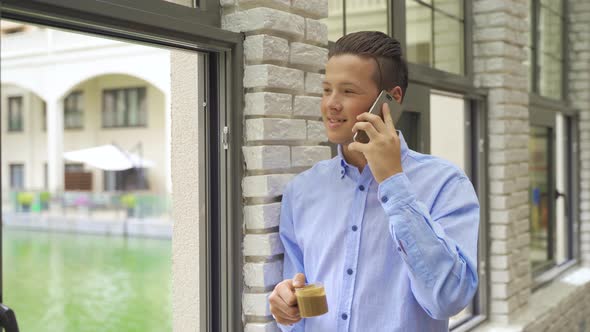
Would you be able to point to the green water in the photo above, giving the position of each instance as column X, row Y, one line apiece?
column 76, row 283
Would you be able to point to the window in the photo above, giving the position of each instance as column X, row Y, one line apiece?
column 17, row 176
column 131, row 179
column 15, row 113
column 550, row 169
column 434, row 34
column 346, row 16
column 124, row 108
column 44, row 122
column 546, row 55
column 73, row 111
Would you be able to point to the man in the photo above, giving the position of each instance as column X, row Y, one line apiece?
column 391, row 233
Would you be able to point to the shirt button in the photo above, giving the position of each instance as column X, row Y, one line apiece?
column 349, row 271
column 344, row 316
column 384, row 199
column 361, row 187
column 354, row 228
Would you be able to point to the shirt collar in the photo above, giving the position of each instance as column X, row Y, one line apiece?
column 345, row 166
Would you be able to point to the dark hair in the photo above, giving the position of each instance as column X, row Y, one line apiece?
column 392, row 69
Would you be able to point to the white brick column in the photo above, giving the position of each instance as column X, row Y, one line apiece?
column 284, row 49
column 579, row 97
column 500, row 37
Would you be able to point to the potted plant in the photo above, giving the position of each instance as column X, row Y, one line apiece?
column 44, row 197
column 129, row 201
column 25, row 200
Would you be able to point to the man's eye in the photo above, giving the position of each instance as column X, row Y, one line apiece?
column 348, row 91
column 327, row 90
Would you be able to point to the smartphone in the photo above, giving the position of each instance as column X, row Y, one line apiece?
column 395, row 110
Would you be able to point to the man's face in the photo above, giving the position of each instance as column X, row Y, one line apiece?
column 349, row 90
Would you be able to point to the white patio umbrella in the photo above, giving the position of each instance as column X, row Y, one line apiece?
column 108, row 157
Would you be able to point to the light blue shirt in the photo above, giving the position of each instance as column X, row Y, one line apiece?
column 395, row 256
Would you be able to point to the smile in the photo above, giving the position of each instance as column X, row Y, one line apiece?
column 335, row 123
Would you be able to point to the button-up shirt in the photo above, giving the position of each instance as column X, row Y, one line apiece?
column 395, row 256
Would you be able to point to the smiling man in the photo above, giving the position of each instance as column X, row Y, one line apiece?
column 391, row 233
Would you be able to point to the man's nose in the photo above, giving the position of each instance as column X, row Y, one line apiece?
column 334, row 102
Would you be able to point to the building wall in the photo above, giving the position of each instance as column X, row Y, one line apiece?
column 186, row 293
column 30, row 146
column 280, row 80
column 285, row 48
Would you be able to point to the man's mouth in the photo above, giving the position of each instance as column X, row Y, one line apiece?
column 334, row 123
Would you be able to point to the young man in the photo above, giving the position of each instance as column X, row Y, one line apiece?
column 391, row 233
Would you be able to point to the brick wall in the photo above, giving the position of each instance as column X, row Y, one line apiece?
column 500, row 37
column 579, row 97
column 285, row 49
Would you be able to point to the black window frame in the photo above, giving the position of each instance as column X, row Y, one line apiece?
column 542, row 113
column 196, row 29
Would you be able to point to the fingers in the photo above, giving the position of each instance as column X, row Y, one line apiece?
column 283, row 302
column 359, row 147
column 284, row 313
column 375, row 120
column 366, row 127
column 299, row 280
column 387, row 118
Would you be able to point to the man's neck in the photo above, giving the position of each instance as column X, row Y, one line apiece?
column 354, row 158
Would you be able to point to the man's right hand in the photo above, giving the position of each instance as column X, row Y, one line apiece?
column 282, row 300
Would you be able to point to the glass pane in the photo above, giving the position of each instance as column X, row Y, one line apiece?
column 448, row 43
column 408, row 124
column 133, row 107
column 419, row 33
column 366, row 15
column 554, row 5
column 108, row 109
column 447, row 128
column 550, row 33
column 540, row 216
column 561, row 218
column 142, row 107
column 550, row 76
column 120, row 109
column 334, row 21
column 451, row 7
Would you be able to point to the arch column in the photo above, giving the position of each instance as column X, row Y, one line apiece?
column 55, row 134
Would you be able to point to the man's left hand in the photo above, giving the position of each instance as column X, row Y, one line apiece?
column 383, row 152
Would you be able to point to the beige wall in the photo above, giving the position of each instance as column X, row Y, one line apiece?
column 30, row 146
column 185, row 194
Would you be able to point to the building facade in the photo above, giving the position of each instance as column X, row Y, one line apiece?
column 498, row 87
column 99, row 91
column 512, row 78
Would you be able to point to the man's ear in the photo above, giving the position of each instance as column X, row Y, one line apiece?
column 397, row 94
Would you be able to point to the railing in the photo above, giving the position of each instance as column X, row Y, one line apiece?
column 135, row 204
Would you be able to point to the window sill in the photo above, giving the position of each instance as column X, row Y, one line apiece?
column 544, row 301
column 546, row 277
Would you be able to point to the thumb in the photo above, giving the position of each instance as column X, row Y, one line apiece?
column 299, row 280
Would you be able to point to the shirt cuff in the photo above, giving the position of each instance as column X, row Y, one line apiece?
column 395, row 191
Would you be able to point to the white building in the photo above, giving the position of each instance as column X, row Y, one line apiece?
column 63, row 91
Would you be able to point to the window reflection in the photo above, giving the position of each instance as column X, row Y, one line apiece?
column 434, row 34
column 541, row 205
column 366, row 15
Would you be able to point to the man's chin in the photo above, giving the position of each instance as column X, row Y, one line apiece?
column 340, row 140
